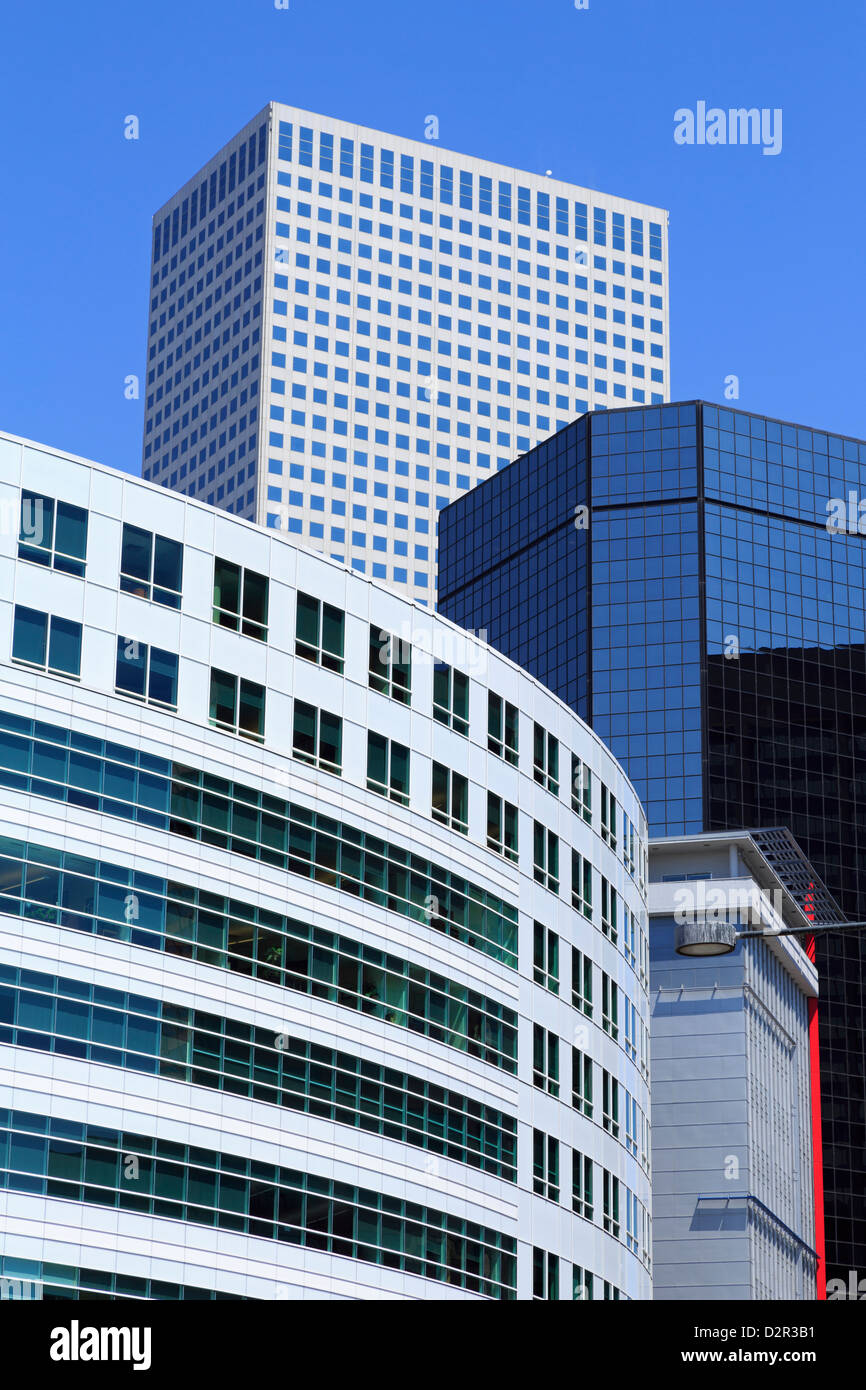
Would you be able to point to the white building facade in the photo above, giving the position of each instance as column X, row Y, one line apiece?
column 736, row 1077
column 348, row 329
column 323, row 933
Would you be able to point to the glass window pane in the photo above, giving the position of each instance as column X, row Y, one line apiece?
column 226, row 593
column 167, row 570
column 255, row 604
column 70, row 536
column 29, row 636
column 162, row 686
column 251, row 718
column 131, row 666
column 135, row 559
column 223, row 695
column 64, row 647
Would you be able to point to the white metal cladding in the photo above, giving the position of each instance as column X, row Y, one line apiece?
column 35, row 1081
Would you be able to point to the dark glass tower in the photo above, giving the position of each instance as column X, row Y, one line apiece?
column 678, row 575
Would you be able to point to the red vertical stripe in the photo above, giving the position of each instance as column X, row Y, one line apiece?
column 817, row 1142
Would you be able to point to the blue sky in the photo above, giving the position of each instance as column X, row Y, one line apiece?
column 767, row 253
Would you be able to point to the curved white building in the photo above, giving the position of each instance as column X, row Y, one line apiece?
column 323, row 965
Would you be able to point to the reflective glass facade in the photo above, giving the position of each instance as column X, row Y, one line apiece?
column 707, row 617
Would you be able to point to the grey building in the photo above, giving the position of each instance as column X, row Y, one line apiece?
column 733, row 1081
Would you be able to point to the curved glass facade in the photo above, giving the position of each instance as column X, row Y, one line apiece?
column 323, row 956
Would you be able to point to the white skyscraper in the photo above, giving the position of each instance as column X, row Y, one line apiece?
column 348, row 329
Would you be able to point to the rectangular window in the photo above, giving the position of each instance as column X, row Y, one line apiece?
column 450, row 799
column 545, row 759
column 581, row 789
column 608, row 910
column 240, row 599
column 581, row 1185
column 546, row 857
column 52, row 533
column 46, row 643
column 608, row 817
column 545, row 1275
column 610, row 1103
column 610, row 1195
column 237, row 705
column 390, row 665
column 319, row 633
column 501, row 826
column 581, row 1284
column 317, row 737
column 388, row 768
column 629, row 845
column 451, row 697
column 545, row 1060
column 146, row 673
column 151, row 566
column 545, row 1165
column 545, row 957
column 581, row 884
column 609, row 1006
column 502, row 728
column 581, row 982
column 581, row 1082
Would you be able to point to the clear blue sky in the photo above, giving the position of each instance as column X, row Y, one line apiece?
column 767, row 254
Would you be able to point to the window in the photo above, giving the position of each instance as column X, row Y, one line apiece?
column 545, row 1275
column 451, row 697
column 581, row 884
column 611, row 1292
column 608, row 910
column 450, row 798
column 631, row 1123
column 388, row 768
column 146, row 673
column 546, row 857
column 581, row 1185
column 610, row 1195
column 581, row 1082
column 151, row 566
column 581, row 789
column 581, row 982
column 608, row 817
column 630, row 1022
column 628, row 936
column 545, row 1165
column 52, row 533
column 545, row 1060
column 317, row 738
column 390, row 665
column 46, row 642
column 545, row 957
column 240, row 599
column 609, row 1006
column 581, row 1284
column 501, row 826
column 610, row 1103
column 545, row 759
column 237, row 705
column 629, row 845
column 502, row 728
column 319, row 633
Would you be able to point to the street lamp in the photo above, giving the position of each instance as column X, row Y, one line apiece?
column 707, row 938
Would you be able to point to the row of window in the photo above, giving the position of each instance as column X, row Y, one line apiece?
column 72, row 1019
column 585, row 1284
column 567, row 216
column 617, row 1198
column 133, row 1172
column 152, row 568
column 52, row 1282
column 73, row 891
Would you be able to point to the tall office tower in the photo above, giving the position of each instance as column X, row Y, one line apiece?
column 692, row 581
column 347, row 330
column 323, row 966
column 734, row 1078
